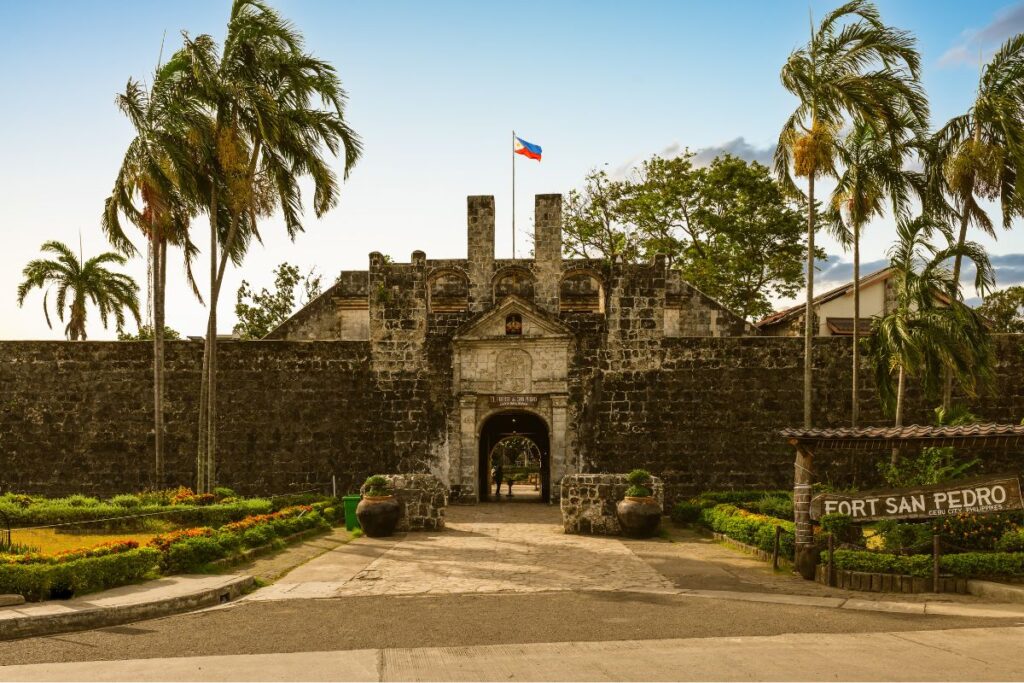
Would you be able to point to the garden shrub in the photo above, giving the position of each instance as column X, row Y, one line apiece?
column 1012, row 541
column 903, row 537
column 291, row 499
column 963, row 564
column 192, row 553
column 45, row 580
column 377, row 485
column 741, row 498
column 222, row 492
column 639, row 483
column 773, row 506
column 750, row 528
column 976, row 532
column 77, row 500
column 114, row 517
column 842, row 528
column 126, row 500
column 685, row 513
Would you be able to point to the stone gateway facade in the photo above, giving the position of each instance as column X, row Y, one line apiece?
column 423, row 367
column 502, row 338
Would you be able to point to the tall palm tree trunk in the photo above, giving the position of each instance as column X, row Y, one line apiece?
column 159, row 290
column 809, row 313
column 947, row 387
column 901, row 389
column 855, row 406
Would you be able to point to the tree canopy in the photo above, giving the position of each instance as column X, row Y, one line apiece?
column 1005, row 309
column 260, row 312
column 728, row 227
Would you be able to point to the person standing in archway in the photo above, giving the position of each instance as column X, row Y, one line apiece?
column 497, row 473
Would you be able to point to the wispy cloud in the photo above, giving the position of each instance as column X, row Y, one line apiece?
column 738, row 147
column 1007, row 22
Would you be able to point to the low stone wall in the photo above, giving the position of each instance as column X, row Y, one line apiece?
column 588, row 502
column 423, row 499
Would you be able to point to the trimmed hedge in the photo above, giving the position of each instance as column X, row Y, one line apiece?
column 685, row 513
column 750, row 528
column 44, row 580
column 962, row 564
column 190, row 549
column 27, row 511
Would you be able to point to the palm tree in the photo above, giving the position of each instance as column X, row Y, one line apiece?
column 872, row 172
column 980, row 154
column 268, row 133
column 85, row 281
column 926, row 331
column 854, row 67
column 159, row 168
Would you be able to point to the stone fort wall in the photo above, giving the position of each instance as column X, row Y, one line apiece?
column 698, row 412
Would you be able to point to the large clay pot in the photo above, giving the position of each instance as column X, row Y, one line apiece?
column 378, row 515
column 639, row 516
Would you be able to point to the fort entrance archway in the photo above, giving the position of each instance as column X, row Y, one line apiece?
column 520, row 440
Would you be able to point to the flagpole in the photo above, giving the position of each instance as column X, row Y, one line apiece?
column 513, row 194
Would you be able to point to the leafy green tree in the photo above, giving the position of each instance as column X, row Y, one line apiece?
column 110, row 292
column 1005, row 310
column 854, row 68
column 925, row 332
column 980, row 154
column 873, row 172
column 145, row 333
column 592, row 223
column 728, row 228
column 260, row 312
column 264, row 93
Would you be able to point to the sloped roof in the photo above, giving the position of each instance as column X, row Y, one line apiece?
column 881, row 438
column 831, row 294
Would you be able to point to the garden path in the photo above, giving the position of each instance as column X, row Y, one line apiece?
column 493, row 548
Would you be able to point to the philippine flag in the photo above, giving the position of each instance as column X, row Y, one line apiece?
column 527, row 149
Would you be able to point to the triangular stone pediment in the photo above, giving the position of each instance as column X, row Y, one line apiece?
column 535, row 322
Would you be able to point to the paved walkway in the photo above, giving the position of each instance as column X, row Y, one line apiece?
column 964, row 654
column 494, row 548
column 517, row 548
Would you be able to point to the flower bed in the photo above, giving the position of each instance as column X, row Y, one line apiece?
column 189, row 549
column 41, row 576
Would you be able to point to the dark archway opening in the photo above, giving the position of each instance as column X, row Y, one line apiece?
column 520, row 440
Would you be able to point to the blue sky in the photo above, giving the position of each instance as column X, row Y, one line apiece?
column 436, row 88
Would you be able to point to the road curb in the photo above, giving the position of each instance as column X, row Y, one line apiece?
column 115, row 615
column 1005, row 592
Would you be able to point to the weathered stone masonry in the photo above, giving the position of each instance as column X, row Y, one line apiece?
column 77, row 417
column 399, row 368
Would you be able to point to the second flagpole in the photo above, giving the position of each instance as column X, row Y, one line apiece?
column 513, row 194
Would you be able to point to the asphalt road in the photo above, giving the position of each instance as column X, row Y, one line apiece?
column 457, row 620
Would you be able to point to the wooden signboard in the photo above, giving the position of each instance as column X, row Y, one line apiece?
column 514, row 400
column 979, row 495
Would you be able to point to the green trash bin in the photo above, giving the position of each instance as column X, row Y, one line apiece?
column 351, row 501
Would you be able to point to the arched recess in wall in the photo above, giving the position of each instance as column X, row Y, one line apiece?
column 514, row 280
column 447, row 291
column 581, row 291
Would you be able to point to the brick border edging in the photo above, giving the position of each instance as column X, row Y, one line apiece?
column 102, row 617
column 875, row 582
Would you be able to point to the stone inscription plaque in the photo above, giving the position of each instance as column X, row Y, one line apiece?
column 513, row 400
column 979, row 495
